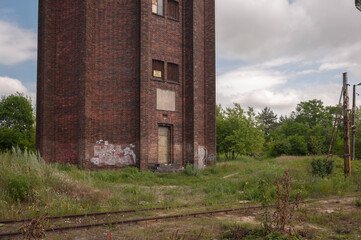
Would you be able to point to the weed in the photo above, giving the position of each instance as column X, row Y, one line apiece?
column 235, row 231
column 284, row 214
column 265, row 200
column 191, row 170
column 322, row 168
column 176, row 236
column 35, row 229
column 18, row 187
column 358, row 203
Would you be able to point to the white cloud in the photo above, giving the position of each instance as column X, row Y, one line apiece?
column 10, row 86
column 16, row 44
column 259, row 30
column 249, row 79
column 254, row 87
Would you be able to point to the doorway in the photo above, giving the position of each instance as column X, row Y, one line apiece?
column 164, row 145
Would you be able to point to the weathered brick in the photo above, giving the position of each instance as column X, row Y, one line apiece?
column 94, row 81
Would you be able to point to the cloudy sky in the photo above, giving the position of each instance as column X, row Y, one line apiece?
column 269, row 53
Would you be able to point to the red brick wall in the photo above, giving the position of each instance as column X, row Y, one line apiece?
column 94, row 79
column 60, row 70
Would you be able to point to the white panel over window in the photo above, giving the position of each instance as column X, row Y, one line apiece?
column 165, row 100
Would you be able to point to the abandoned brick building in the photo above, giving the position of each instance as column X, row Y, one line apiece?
column 126, row 82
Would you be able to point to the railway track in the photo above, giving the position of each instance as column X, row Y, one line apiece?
column 142, row 219
column 92, row 214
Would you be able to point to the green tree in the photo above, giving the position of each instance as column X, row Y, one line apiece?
column 16, row 122
column 238, row 132
column 307, row 131
column 311, row 113
column 268, row 120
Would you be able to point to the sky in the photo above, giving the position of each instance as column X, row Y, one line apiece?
column 269, row 53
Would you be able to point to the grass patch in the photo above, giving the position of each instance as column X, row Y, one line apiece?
column 65, row 189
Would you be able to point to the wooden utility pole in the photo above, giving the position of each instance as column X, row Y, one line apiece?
column 346, row 126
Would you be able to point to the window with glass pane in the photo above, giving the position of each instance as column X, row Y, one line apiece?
column 173, row 9
column 157, row 7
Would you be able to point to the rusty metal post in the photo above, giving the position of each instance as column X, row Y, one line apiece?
column 346, row 124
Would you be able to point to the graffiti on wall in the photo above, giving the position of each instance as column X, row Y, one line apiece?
column 202, row 157
column 212, row 158
column 65, row 154
column 106, row 154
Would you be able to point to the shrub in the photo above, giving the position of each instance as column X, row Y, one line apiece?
column 281, row 147
column 358, row 203
column 18, row 187
column 298, row 145
column 322, row 168
column 191, row 170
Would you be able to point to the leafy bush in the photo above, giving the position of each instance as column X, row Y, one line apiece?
column 191, row 170
column 298, row 145
column 18, row 187
column 358, row 203
column 322, row 168
column 281, row 147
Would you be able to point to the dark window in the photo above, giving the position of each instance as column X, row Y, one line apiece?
column 157, row 7
column 173, row 9
column 158, row 69
column 173, row 72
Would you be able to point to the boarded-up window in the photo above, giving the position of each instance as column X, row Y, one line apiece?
column 157, row 7
column 173, row 72
column 158, row 69
column 173, row 9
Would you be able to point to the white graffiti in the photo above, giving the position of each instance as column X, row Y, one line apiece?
column 106, row 154
column 202, row 156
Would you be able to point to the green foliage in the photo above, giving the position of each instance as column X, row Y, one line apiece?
column 268, row 120
column 307, row 131
column 18, row 187
column 281, row 147
column 322, row 168
column 16, row 122
column 298, row 145
column 238, row 132
column 191, row 170
column 358, row 203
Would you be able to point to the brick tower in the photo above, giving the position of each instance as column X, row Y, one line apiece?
column 126, row 82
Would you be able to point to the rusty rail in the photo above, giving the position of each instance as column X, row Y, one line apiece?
column 145, row 219
column 92, row 214
column 136, row 220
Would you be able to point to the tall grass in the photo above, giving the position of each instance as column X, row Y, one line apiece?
column 25, row 178
column 64, row 189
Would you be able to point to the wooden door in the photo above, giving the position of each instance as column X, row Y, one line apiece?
column 163, row 145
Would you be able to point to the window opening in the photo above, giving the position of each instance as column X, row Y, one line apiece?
column 157, row 7
column 158, row 69
column 173, row 72
column 173, row 9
